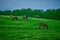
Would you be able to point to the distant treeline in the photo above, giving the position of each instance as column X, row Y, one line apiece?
column 49, row 13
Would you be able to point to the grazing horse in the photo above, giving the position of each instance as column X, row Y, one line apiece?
column 14, row 18
column 43, row 25
column 25, row 17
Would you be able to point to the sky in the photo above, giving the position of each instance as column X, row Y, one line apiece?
column 33, row 4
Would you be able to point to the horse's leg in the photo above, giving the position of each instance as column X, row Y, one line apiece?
column 46, row 27
column 16, row 18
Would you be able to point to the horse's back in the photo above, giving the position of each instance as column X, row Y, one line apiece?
column 43, row 25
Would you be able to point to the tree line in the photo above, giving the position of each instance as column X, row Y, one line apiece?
column 48, row 14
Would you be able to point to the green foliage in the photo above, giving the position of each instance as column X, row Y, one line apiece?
column 37, row 12
column 52, row 14
column 48, row 14
column 6, row 12
column 1, row 12
column 16, row 12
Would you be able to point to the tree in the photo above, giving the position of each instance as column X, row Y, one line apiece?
column 1, row 12
column 6, row 12
column 16, row 12
column 52, row 14
column 38, row 12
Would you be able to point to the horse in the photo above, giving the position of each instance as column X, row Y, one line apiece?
column 43, row 25
column 25, row 17
column 14, row 18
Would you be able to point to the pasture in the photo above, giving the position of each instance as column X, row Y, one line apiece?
column 28, row 29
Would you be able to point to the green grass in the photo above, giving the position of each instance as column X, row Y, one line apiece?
column 28, row 29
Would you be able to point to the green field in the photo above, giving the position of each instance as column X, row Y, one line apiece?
column 28, row 29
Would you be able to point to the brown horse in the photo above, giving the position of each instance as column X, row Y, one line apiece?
column 43, row 25
column 14, row 18
column 25, row 17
